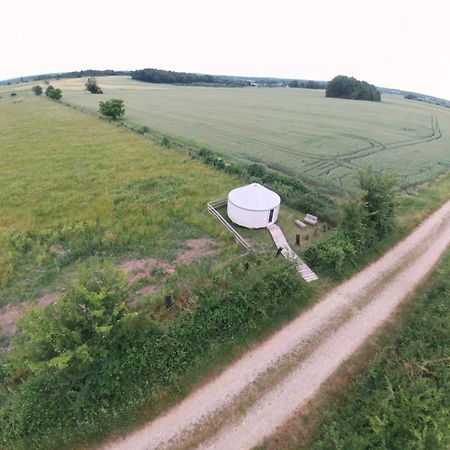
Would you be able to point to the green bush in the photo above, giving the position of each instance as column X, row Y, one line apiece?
column 332, row 254
column 87, row 356
column 113, row 109
column 54, row 94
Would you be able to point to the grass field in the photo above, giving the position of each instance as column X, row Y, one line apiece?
column 76, row 190
column 73, row 187
column 298, row 131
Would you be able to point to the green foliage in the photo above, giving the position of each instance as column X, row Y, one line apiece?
column 75, row 332
column 54, row 94
column 171, row 77
column 143, row 130
column 379, row 196
column 88, row 356
column 401, row 400
column 113, row 109
column 92, row 86
column 365, row 221
column 13, row 94
column 332, row 254
column 37, row 89
column 351, row 88
column 165, row 142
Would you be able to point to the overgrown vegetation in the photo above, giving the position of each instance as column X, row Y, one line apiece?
column 401, row 401
column 89, row 356
column 367, row 221
column 351, row 88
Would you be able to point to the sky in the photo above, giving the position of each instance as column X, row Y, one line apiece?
column 391, row 43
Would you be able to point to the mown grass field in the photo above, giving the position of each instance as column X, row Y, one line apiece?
column 297, row 131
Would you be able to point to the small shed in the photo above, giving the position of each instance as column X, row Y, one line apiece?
column 253, row 206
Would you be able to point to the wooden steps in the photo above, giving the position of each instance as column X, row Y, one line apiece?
column 280, row 241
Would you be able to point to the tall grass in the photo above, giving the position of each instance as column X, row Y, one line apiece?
column 73, row 186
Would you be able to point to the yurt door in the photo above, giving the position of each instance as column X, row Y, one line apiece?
column 270, row 215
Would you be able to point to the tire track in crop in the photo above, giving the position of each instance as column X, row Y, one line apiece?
column 376, row 147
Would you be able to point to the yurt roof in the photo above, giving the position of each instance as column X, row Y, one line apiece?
column 254, row 197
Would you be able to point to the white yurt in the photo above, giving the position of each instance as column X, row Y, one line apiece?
column 253, row 206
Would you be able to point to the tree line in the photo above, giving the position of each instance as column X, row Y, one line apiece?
column 171, row 77
column 310, row 84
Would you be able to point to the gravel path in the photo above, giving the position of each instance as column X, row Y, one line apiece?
column 362, row 304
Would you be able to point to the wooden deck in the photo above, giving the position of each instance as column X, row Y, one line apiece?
column 280, row 241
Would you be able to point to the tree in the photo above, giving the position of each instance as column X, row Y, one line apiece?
column 92, row 86
column 54, row 94
column 78, row 331
column 113, row 109
column 37, row 90
column 351, row 88
column 379, row 198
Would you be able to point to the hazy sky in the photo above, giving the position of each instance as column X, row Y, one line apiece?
column 392, row 43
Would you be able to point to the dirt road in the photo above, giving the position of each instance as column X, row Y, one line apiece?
column 324, row 336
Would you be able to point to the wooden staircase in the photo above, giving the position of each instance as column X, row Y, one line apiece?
column 280, row 241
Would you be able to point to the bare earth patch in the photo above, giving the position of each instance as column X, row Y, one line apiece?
column 197, row 248
column 139, row 269
column 10, row 314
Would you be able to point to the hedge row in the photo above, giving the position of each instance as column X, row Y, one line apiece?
column 87, row 357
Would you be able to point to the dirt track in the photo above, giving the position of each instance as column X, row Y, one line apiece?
column 338, row 324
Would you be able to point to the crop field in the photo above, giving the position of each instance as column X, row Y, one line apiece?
column 297, row 131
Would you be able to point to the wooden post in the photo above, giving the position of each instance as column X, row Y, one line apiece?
column 297, row 239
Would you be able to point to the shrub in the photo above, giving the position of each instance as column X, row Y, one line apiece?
column 332, row 254
column 92, row 86
column 37, row 89
column 113, row 109
column 165, row 142
column 54, row 94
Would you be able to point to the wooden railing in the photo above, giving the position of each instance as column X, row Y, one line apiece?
column 216, row 214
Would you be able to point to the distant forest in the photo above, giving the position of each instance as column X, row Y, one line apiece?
column 171, row 77
column 351, row 88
